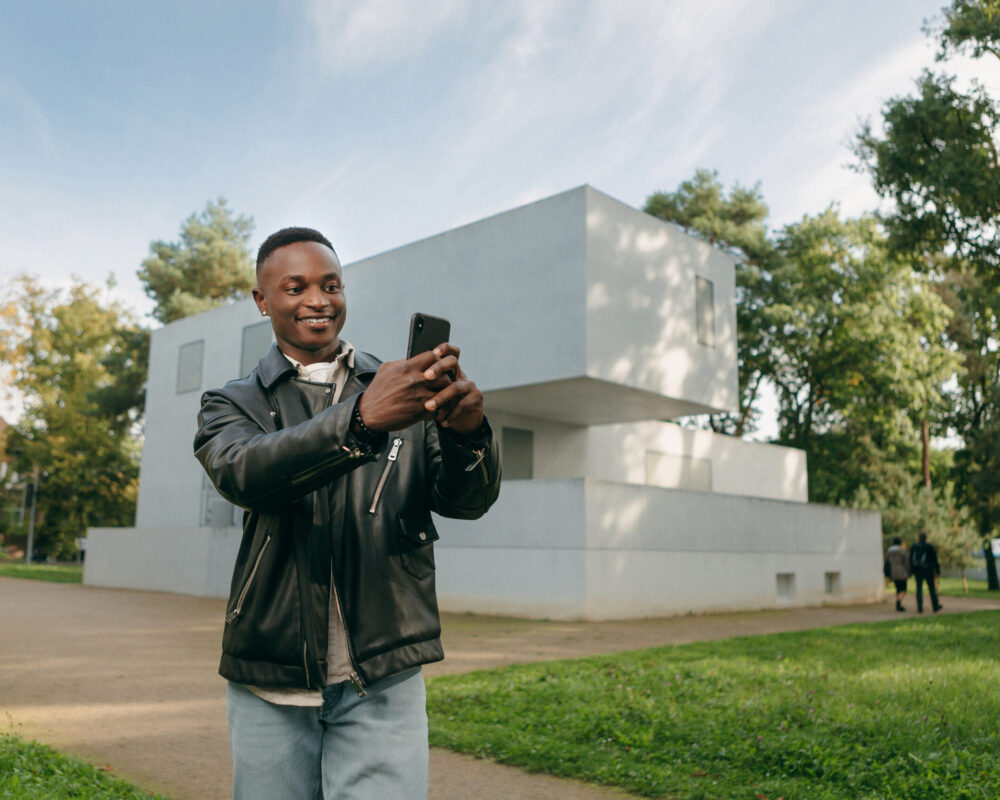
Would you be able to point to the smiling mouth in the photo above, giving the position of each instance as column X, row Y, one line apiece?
column 316, row 323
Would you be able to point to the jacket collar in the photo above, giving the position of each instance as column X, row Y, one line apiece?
column 274, row 366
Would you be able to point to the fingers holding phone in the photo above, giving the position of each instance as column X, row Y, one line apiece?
column 428, row 384
column 459, row 405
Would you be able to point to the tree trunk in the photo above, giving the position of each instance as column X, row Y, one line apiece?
column 925, row 437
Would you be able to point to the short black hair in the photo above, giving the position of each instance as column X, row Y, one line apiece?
column 287, row 236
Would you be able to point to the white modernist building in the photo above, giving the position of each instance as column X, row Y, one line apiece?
column 588, row 324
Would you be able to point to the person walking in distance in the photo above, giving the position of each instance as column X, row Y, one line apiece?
column 925, row 567
column 897, row 569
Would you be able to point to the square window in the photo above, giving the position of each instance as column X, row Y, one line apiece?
column 831, row 582
column 705, row 311
column 190, row 361
column 516, row 448
column 786, row 585
column 256, row 339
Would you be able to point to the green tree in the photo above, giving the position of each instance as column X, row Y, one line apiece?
column 736, row 222
column 860, row 357
column 935, row 156
column 78, row 360
column 971, row 27
column 209, row 266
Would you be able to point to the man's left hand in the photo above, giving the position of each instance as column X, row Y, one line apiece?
column 459, row 405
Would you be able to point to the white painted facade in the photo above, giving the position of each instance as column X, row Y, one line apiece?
column 587, row 324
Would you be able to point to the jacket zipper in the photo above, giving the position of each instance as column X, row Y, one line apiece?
column 305, row 662
column 348, row 453
column 393, row 455
column 358, row 684
column 481, row 463
column 234, row 615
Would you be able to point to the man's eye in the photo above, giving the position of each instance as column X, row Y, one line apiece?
column 333, row 288
column 293, row 289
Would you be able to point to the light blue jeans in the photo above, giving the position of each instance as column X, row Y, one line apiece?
column 353, row 748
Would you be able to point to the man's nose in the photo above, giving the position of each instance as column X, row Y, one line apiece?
column 316, row 298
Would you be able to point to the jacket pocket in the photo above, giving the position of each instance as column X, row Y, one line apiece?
column 416, row 545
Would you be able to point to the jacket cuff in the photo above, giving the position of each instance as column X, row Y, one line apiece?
column 476, row 440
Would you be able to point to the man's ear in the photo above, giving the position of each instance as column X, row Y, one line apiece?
column 258, row 298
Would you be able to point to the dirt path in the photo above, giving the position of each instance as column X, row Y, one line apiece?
column 128, row 679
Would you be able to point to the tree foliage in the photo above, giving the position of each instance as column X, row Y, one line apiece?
column 970, row 27
column 936, row 159
column 209, row 266
column 935, row 156
column 861, row 333
column 78, row 361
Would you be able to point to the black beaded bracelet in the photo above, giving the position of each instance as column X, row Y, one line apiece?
column 367, row 432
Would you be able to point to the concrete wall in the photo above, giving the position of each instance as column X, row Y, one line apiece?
column 663, row 454
column 196, row 561
column 650, row 552
column 629, row 453
column 641, row 322
column 170, row 480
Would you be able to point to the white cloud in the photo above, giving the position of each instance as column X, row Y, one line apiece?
column 593, row 89
column 353, row 36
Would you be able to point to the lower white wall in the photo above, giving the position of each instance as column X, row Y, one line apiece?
column 643, row 551
column 197, row 561
column 576, row 549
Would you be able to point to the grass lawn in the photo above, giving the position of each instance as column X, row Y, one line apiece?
column 903, row 710
column 57, row 573
column 31, row 771
column 953, row 586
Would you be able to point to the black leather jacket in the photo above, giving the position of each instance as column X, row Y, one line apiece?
column 317, row 496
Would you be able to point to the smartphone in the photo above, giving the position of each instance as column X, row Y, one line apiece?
column 426, row 333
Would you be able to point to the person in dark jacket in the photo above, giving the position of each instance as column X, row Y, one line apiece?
column 338, row 461
column 925, row 567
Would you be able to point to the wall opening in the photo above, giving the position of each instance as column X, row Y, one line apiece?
column 705, row 311
column 786, row 585
column 256, row 339
column 517, row 451
column 190, row 360
column 216, row 511
column 678, row 472
column 831, row 582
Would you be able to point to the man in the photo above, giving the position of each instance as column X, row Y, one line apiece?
column 338, row 461
column 925, row 567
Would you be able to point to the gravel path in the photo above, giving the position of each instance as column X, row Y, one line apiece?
column 128, row 679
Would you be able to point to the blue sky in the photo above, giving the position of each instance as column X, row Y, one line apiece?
column 388, row 121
